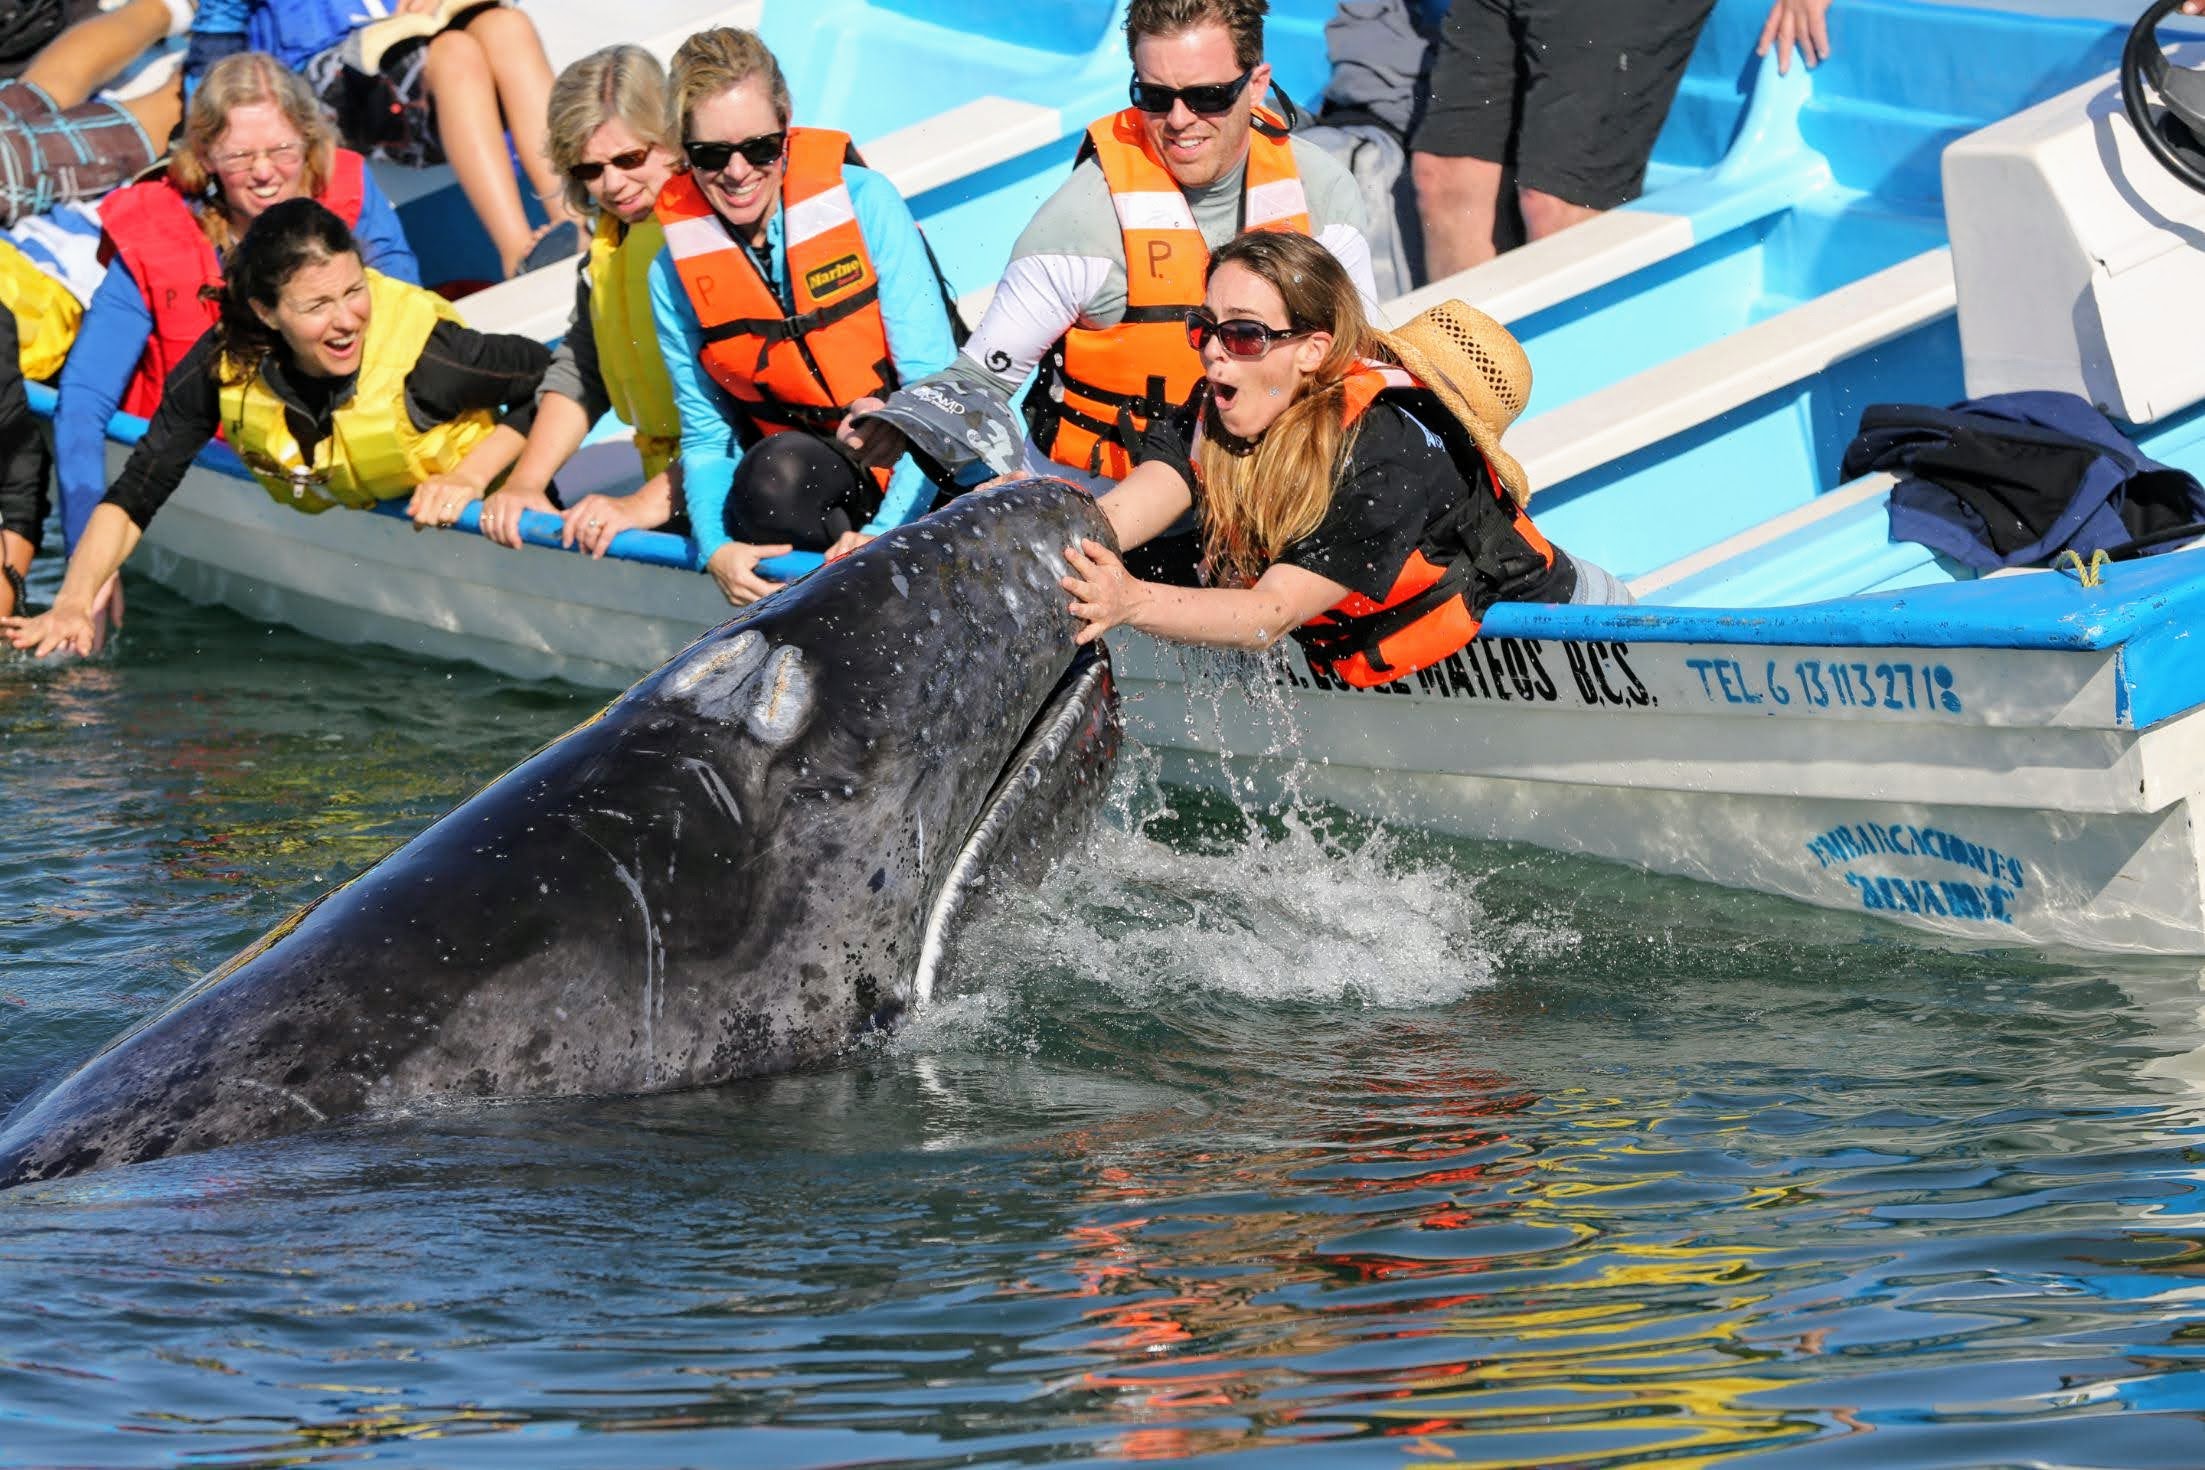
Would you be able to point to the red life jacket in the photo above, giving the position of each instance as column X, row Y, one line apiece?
column 1458, row 568
column 152, row 230
column 798, row 368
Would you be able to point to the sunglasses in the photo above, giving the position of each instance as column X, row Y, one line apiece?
column 1208, row 99
column 1240, row 337
column 627, row 163
column 758, row 152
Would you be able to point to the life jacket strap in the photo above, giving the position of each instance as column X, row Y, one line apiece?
column 770, row 330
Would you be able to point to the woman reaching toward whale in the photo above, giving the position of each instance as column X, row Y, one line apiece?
column 335, row 385
column 1349, row 484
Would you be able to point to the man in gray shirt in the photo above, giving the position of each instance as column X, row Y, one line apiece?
column 1192, row 157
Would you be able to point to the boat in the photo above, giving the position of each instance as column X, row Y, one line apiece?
column 1798, row 705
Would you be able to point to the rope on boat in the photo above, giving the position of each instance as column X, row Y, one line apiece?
column 2088, row 574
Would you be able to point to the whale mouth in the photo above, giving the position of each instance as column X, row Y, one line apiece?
column 1027, row 820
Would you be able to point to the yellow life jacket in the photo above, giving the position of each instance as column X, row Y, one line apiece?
column 628, row 354
column 373, row 452
column 46, row 315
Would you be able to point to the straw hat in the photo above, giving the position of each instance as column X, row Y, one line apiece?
column 1473, row 365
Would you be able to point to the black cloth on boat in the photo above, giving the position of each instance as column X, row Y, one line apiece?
column 2015, row 479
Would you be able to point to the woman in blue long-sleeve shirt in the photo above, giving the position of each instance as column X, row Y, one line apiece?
column 793, row 283
column 253, row 136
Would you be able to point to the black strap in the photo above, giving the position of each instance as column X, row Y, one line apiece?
column 769, row 330
column 22, row 592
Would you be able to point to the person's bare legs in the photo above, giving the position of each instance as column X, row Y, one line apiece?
column 473, row 136
column 159, row 111
column 1546, row 214
column 523, row 76
column 1458, row 202
column 91, row 53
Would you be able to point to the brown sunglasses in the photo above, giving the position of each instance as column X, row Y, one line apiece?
column 627, row 163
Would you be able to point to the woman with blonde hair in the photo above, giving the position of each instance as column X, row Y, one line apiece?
column 1350, row 485
column 794, row 283
column 253, row 137
column 613, row 141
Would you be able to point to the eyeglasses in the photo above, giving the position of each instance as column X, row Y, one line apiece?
column 758, row 152
column 237, row 160
column 1209, row 99
column 627, row 163
column 1240, row 337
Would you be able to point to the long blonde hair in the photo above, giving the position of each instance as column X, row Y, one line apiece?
column 623, row 83
column 242, row 80
column 718, row 60
column 1259, row 498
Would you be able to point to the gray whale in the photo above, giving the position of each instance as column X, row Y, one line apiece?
column 749, row 860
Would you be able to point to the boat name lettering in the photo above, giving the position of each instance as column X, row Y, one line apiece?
column 1852, row 841
column 1945, row 897
column 1511, row 670
column 1822, row 683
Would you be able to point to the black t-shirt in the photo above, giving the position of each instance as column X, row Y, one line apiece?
column 1396, row 480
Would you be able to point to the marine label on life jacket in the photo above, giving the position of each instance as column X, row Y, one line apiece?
column 836, row 275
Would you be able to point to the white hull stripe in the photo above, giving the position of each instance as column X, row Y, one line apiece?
column 1153, row 211
column 819, row 214
column 1277, row 200
column 704, row 235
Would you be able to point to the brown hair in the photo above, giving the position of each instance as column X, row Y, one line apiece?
column 242, row 80
column 1242, row 19
column 1259, row 498
column 620, row 83
column 714, row 61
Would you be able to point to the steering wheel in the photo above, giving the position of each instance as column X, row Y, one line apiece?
column 2173, row 135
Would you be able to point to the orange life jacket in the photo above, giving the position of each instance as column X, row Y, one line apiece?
column 151, row 228
column 799, row 368
column 1458, row 568
column 1100, row 386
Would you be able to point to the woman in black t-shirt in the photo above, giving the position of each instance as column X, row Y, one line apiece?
column 1338, row 498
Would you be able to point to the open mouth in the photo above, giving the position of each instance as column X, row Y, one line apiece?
column 745, row 195
column 341, row 348
column 1186, row 145
column 1223, row 394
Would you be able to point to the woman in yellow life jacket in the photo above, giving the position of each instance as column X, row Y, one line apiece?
column 335, row 385
column 1348, row 492
column 613, row 141
column 38, row 322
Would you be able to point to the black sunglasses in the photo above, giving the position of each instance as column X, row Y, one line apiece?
column 627, row 163
column 1239, row 336
column 1208, row 99
column 758, row 152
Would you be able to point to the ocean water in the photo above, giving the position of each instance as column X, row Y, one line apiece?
column 1249, row 1139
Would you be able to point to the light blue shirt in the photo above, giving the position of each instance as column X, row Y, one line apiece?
column 919, row 342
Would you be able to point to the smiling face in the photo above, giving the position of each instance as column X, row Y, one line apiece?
column 259, row 159
column 1247, row 395
column 322, row 313
column 1196, row 149
column 743, row 195
column 626, row 193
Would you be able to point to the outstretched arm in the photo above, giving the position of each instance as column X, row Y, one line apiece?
column 1106, row 596
column 108, row 539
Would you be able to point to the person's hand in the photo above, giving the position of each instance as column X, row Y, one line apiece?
column 735, row 567
column 438, row 500
column 592, row 522
column 1104, row 594
column 59, row 627
column 850, row 541
column 501, row 513
column 875, row 444
column 107, row 609
column 1805, row 24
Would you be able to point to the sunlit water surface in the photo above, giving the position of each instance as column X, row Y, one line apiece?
column 1244, row 1140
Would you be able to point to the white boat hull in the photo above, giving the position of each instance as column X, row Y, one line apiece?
column 1992, row 794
